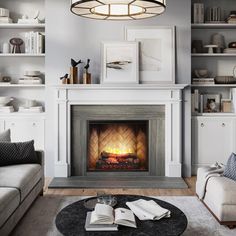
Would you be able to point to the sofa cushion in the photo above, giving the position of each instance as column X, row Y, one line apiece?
column 222, row 190
column 17, row 153
column 9, row 201
column 5, row 136
column 22, row 177
column 230, row 169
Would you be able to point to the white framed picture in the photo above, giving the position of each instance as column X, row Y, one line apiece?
column 156, row 52
column 119, row 63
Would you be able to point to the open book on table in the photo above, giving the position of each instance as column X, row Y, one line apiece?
column 148, row 210
column 104, row 214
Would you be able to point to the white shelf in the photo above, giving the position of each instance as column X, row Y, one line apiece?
column 214, row 85
column 214, row 114
column 22, row 85
column 20, row 114
column 214, row 26
column 21, row 55
column 22, row 26
column 213, row 54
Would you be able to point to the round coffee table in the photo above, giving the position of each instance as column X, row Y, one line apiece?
column 70, row 221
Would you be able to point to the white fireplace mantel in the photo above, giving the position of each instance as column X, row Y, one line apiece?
column 168, row 95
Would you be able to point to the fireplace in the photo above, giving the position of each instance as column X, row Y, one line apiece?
column 117, row 145
column 118, row 140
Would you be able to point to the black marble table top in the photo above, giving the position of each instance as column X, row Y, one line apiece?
column 70, row 221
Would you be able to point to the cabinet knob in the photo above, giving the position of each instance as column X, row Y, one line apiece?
column 223, row 125
column 34, row 124
column 202, row 125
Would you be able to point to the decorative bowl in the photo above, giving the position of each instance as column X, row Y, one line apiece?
column 201, row 73
column 5, row 100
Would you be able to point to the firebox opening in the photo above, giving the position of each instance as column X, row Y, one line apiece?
column 118, row 145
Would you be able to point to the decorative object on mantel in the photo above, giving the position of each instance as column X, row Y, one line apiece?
column 119, row 62
column 219, row 40
column 16, row 43
column 210, row 48
column 157, row 52
column 74, row 71
column 197, row 46
column 86, row 74
column 118, row 9
column 65, row 79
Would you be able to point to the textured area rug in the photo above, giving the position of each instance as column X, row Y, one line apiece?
column 39, row 220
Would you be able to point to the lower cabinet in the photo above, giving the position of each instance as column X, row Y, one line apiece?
column 213, row 140
column 25, row 129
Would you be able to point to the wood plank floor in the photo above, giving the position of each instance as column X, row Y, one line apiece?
column 148, row 192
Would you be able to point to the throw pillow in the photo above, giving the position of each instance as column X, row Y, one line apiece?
column 230, row 169
column 5, row 136
column 17, row 153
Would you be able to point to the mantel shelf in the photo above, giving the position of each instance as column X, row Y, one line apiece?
column 22, row 26
column 122, row 87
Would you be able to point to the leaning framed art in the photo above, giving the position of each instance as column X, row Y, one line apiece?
column 156, row 52
column 119, row 62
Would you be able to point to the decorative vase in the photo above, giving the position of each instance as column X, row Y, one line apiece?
column 86, row 78
column 219, row 40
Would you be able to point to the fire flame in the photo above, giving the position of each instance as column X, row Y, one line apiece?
column 118, row 151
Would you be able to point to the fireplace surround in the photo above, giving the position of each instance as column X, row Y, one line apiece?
column 121, row 139
column 168, row 97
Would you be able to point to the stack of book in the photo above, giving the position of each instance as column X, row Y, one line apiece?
column 37, row 109
column 230, row 50
column 6, row 109
column 4, row 16
column 232, row 18
column 198, row 13
column 34, row 42
column 203, row 81
column 214, row 15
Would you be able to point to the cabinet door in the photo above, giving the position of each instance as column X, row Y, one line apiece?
column 25, row 130
column 2, row 125
column 213, row 140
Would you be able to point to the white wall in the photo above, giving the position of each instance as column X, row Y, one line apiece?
column 69, row 36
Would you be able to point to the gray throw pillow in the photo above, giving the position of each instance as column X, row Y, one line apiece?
column 17, row 153
column 230, row 169
column 5, row 136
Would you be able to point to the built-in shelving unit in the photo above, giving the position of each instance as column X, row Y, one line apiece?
column 213, row 105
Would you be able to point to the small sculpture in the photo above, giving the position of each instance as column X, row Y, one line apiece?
column 86, row 74
column 74, row 71
column 16, row 42
column 74, row 63
column 65, row 79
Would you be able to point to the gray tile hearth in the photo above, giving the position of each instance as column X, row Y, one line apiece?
column 119, row 182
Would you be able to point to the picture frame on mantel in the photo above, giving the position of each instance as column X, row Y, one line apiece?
column 156, row 52
column 119, row 63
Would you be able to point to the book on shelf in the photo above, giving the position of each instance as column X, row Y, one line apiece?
column 28, row 21
column 213, row 15
column 36, row 109
column 198, row 13
column 34, row 42
column 230, row 50
column 5, row 20
column 148, row 210
column 203, row 81
column 6, row 109
column 105, row 214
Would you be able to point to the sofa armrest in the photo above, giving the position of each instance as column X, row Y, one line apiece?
column 40, row 156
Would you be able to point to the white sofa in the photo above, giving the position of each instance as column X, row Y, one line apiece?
column 19, row 187
column 220, row 199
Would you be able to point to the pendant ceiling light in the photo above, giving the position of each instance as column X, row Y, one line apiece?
column 118, row 9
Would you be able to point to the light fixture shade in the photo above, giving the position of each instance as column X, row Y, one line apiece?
column 118, row 9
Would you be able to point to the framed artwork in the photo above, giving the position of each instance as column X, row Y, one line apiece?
column 156, row 53
column 211, row 102
column 119, row 63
